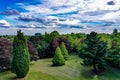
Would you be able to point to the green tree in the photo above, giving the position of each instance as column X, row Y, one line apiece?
column 54, row 34
column 115, row 31
column 64, row 51
column 21, row 57
column 49, row 37
column 58, row 59
column 93, row 52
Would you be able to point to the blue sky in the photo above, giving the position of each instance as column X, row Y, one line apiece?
column 66, row 16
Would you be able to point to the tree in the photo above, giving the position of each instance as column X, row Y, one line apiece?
column 54, row 34
column 21, row 58
column 49, row 37
column 93, row 52
column 40, row 44
column 115, row 31
column 42, row 49
column 55, row 43
column 58, row 59
column 66, row 42
column 114, row 42
column 5, row 53
column 33, row 52
column 52, row 47
column 64, row 51
column 113, row 57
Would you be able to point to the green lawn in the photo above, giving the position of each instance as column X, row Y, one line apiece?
column 43, row 70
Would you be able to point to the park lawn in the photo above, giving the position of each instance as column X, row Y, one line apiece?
column 73, row 70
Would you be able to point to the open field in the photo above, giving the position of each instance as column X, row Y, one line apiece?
column 73, row 70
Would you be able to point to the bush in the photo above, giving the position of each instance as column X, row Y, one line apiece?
column 58, row 59
column 64, row 51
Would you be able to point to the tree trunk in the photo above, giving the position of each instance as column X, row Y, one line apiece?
column 94, row 68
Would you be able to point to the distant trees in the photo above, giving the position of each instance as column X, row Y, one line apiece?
column 52, row 47
column 113, row 57
column 115, row 31
column 49, row 37
column 5, row 53
column 64, row 51
column 58, row 59
column 33, row 52
column 21, row 58
column 39, row 44
column 55, row 43
column 93, row 52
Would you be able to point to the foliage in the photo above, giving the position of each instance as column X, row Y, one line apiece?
column 40, row 45
column 113, row 57
column 33, row 52
column 58, row 59
column 64, row 51
column 55, row 43
column 42, row 49
column 93, row 52
column 5, row 53
column 21, row 58
column 66, row 42
column 115, row 31
column 49, row 37
column 52, row 47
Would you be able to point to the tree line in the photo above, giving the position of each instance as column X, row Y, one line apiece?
column 97, row 50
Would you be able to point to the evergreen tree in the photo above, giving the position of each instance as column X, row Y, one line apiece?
column 21, row 57
column 58, row 59
column 93, row 52
column 115, row 31
column 64, row 51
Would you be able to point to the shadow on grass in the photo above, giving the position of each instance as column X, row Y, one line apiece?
column 56, row 65
column 15, row 78
column 87, row 73
column 4, row 70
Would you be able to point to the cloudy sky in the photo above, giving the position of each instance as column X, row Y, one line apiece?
column 66, row 16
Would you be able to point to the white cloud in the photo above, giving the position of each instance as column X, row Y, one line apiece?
column 4, row 23
column 69, row 22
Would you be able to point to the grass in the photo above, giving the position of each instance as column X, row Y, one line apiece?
column 43, row 70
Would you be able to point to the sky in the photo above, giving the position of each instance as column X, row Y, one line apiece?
column 65, row 16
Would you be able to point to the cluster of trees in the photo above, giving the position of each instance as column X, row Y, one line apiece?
column 95, row 52
column 61, row 55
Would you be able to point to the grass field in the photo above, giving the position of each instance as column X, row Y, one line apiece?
column 43, row 70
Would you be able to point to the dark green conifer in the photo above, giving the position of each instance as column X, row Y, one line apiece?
column 21, row 58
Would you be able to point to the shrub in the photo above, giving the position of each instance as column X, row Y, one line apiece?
column 58, row 59
column 64, row 51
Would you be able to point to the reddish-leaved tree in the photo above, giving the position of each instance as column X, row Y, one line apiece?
column 5, row 53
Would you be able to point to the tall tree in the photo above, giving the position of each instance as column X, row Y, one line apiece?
column 93, row 52
column 58, row 59
column 21, row 57
column 64, row 51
